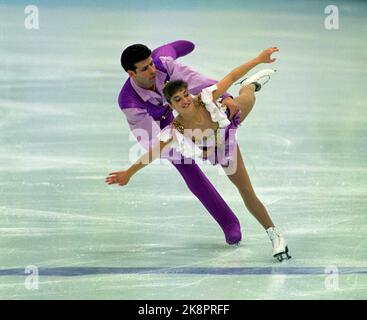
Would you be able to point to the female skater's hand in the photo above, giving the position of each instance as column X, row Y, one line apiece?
column 119, row 177
column 265, row 56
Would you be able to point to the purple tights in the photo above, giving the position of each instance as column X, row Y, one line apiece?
column 202, row 188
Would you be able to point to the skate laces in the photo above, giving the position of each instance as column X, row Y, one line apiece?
column 274, row 235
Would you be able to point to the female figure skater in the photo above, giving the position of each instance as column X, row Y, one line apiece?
column 203, row 129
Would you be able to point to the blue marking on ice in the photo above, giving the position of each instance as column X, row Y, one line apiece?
column 83, row 271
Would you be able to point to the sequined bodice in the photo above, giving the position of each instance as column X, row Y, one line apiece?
column 208, row 141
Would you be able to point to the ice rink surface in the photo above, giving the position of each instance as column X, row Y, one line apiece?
column 61, row 132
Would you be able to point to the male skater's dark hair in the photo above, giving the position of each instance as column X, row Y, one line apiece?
column 134, row 54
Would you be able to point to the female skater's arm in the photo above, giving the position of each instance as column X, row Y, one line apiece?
column 236, row 74
column 122, row 177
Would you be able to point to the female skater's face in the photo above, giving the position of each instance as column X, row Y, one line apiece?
column 181, row 101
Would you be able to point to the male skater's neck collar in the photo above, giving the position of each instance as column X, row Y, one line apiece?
column 147, row 94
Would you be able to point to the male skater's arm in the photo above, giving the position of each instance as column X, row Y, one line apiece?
column 195, row 80
column 169, row 52
column 142, row 125
column 174, row 49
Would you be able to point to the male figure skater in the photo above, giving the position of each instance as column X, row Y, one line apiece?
column 143, row 103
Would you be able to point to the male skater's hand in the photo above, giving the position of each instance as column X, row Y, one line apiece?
column 119, row 177
column 232, row 106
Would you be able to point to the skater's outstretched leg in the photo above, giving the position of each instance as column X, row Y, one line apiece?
column 240, row 178
column 203, row 189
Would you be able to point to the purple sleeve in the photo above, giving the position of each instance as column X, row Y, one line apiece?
column 142, row 126
column 174, row 49
column 195, row 80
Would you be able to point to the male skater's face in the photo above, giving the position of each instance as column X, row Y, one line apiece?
column 145, row 73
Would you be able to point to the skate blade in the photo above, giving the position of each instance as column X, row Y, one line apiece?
column 266, row 75
column 240, row 82
column 283, row 255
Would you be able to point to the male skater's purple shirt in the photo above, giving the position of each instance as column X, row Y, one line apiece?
column 141, row 123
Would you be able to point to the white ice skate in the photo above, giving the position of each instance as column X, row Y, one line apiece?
column 258, row 79
column 280, row 248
